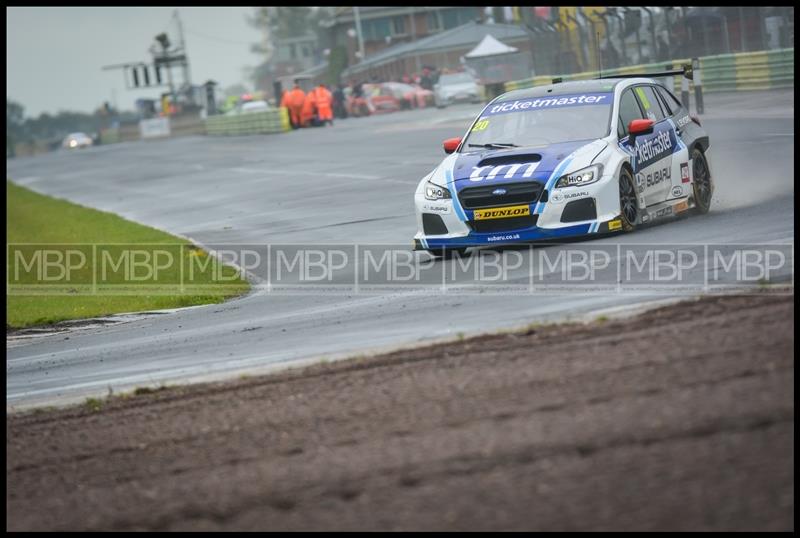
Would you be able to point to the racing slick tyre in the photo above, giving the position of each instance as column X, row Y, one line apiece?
column 628, row 210
column 702, row 182
column 447, row 253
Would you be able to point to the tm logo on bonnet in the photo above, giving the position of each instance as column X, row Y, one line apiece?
column 509, row 169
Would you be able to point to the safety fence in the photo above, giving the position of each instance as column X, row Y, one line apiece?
column 267, row 121
column 764, row 70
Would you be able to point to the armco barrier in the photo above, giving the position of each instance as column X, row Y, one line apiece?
column 268, row 121
column 745, row 71
column 781, row 72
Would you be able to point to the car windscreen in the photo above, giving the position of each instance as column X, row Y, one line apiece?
column 537, row 121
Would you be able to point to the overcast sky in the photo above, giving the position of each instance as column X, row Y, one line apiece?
column 54, row 55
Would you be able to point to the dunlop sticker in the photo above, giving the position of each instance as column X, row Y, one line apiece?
column 503, row 212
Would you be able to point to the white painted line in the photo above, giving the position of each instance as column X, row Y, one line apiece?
column 25, row 180
column 242, row 170
column 357, row 176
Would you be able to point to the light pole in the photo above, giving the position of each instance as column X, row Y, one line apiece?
column 358, row 32
column 414, row 39
column 186, row 74
column 163, row 40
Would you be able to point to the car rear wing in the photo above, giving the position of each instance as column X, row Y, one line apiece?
column 686, row 71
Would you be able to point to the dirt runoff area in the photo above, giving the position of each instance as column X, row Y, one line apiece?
column 679, row 419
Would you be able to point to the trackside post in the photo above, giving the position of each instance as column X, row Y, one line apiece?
column 670, row 79
column 685, row 92
column 698, row 86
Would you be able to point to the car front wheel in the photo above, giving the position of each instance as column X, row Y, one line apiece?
column 702, row 182
column 628, row 209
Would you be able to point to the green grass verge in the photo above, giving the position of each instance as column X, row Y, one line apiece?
column 34, row 218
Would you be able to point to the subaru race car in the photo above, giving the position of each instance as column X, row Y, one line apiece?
column 565, row 160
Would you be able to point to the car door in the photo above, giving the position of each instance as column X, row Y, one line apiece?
column 686, row 131
column 651, row 154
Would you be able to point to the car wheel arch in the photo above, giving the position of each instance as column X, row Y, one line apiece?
column 626, row 165
column 702, row 143
column 698, row 209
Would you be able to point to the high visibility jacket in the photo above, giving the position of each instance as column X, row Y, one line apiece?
column 285, row 99
column 323, row 99
column 309, row 109
column 295, row 99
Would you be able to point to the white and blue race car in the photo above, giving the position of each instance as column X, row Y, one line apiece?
column 565, row 160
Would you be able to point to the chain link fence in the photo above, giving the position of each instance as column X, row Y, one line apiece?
column 570, row 40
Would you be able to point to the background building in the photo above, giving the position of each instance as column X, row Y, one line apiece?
column 442, row 50
column 385, row 27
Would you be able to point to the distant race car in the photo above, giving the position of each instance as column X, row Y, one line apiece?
column 255, row 106
column 356, row 106
column 565, row 160
column 458, row 87
column 380, row 99
column 77, row 141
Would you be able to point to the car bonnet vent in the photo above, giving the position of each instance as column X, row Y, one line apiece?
column 511, row 159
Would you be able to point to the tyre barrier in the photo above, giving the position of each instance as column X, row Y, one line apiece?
column 268, row 121
column 745, row 71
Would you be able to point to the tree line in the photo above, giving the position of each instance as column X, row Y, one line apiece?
column 50, row 129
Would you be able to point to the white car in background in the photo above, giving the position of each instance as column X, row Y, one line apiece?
column 254, row 106
column 456, row 88
column 77, row 141
column 249, row 107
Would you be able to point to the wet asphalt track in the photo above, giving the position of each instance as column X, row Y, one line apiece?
column 350, row 183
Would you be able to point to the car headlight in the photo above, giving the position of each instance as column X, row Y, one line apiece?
column 581, row 177
column 435, row 192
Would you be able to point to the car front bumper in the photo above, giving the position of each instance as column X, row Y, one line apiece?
column 545, row 220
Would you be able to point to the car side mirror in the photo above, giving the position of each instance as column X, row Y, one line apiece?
column 451, row 144
column 639, row 128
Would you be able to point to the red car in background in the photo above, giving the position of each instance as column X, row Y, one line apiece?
column 356, row 106
column 381, row 99
column 387, row 97
column 375, row 100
